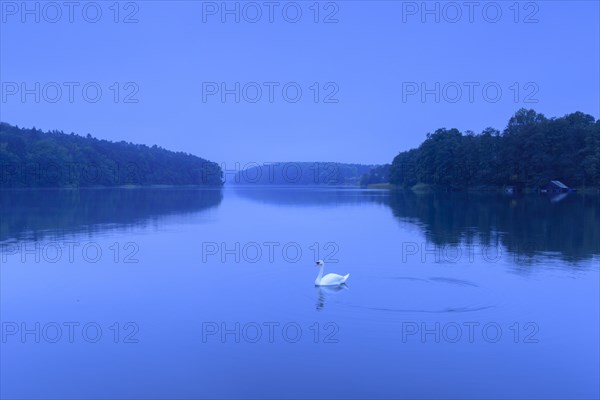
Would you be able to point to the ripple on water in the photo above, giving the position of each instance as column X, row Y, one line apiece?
column 413, row 295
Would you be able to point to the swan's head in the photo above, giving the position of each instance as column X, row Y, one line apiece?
column 320, row 263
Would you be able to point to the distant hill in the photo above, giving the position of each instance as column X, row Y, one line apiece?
column 32, row 158
column 301, row 174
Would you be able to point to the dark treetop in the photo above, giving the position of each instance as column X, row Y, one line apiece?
column 32, row 158
column 531, row 151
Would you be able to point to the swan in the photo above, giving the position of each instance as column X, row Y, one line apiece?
column 329, row 279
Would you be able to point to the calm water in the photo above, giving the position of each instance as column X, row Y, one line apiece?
column 184, row 293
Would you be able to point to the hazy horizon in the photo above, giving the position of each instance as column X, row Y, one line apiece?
column 249, row 162
column 367, row 94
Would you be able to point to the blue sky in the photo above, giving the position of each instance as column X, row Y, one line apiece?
column 371, row 65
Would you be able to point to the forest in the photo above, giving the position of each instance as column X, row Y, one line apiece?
column 32, row 158
column 531, row 151
column 302, row 173
column 378, row 174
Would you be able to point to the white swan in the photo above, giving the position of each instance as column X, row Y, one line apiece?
column 329, row 279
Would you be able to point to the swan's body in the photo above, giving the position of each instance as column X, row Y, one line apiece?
column 329, row 279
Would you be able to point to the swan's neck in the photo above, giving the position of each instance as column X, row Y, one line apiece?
column 318, row 280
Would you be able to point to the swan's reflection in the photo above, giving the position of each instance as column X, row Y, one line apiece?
column 325, row 291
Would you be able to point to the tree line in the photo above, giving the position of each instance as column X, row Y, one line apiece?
column 531, row 151
column 32, row 158
column 302, row 174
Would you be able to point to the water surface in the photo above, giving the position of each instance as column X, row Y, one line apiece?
column 210, row 294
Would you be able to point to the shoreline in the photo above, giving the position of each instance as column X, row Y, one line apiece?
column 425, row 188
column 418, row 188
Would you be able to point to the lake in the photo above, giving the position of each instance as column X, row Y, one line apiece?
column 192, row 293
